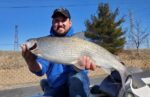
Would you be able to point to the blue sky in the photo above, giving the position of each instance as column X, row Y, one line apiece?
column 33, row 17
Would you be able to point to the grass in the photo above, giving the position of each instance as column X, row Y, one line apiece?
column 14, row 71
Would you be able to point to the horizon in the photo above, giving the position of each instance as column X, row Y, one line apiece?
column 33, row 17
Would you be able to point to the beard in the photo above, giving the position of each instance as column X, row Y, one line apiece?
column 60, row 33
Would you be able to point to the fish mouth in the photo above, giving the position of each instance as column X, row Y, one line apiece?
column 33, row 47
column 31, row 44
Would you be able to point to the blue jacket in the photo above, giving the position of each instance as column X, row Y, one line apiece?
column 57, row 74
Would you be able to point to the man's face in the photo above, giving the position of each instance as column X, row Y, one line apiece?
column 61, row 25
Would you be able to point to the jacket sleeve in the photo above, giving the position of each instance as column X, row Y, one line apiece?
column 44, row 66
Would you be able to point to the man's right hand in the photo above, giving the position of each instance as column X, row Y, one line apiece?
column 30, row 59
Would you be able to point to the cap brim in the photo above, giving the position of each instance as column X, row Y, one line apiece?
column 58, row 14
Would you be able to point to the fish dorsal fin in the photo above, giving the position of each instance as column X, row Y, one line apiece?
column 80, row 35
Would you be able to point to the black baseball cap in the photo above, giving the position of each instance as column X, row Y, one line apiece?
column 61, row 11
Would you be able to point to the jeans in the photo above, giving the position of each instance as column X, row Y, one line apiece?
column 76, row 86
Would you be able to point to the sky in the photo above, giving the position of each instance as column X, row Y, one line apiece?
column 33, row 17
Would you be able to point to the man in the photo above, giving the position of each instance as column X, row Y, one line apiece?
column 62, row 80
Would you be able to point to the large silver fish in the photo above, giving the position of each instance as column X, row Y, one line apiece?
column 67, row 50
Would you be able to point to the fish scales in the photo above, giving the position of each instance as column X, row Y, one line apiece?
column 69, row 48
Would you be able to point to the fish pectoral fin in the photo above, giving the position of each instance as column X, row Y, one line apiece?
column 76, row 64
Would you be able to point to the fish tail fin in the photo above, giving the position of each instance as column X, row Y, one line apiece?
column 125, row 74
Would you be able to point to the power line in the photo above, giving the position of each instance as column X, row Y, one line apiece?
column 6, row 44
column 10, row 1
column 16, row 44
column 48, row 6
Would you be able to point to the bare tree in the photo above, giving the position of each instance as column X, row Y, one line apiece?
column 137, row 33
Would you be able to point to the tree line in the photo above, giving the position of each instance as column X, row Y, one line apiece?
column 105, row 29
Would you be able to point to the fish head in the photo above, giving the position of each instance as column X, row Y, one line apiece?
column 32, row 45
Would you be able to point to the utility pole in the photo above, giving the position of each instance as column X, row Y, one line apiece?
column 130, row 37
column 147, row 43
column 16, row 44
column 131, row 21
